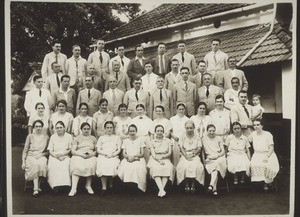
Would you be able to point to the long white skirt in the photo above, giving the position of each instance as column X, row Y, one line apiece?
column 158, row 170
column 190, row 169
column 238, row 163
column 83, row 167
column 107, row 166
column 35, row 167
column 58, row 172
column 218, row 164
column 261, row 171
column 134, row 172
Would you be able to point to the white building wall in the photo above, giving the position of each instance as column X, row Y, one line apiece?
column 288, row 90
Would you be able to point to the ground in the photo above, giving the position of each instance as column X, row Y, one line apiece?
column 126, row 202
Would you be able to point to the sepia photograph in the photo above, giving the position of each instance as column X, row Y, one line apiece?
column 150, row 108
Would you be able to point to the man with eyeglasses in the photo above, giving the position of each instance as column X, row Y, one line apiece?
column 75, row 66
column 121, row 58
column 231, row 95
column 224, row 77
column 216, row 60
column 242, row 113
column 54, row 56
column 90, row 96
column 135, row 96
column 136, row 66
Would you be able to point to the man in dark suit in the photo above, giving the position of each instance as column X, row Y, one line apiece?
column 161, row 63
column 136, row 65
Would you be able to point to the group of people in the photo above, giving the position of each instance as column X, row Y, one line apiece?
column 167, row 116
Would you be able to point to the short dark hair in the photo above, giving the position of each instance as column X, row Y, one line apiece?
column 140, row 105
column 159, row 125
column 242, row 91
column 181, row 41
column 84, row 124
column 180, row 104
column 174, row 60
column 220, row 97
column 61, row 123
column 54, row 63
column 231, row 57
column 138, row 45
column 209, row 126
column 64, row 76
column 119, row 45
column 216, row 39
column 202, row 103
column 109, row 122
column 122, row 105
column 36, row 77
column 102, row 101
column 161, row 107
column 61, row 101
column 83, row 104
column 37, row 121
column 235, row 78
column 55, row 42
column 236, row 123
column 201, row 61
column 161, row 43
column 39, row 103
column 148, row 62
column 134, row 126
column 184, row 67
column 75, row 45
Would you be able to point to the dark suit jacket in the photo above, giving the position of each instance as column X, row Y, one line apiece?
column 135, row 69
column 167, row 66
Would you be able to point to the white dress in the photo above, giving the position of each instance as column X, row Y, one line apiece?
column 161, row 147
column 108, row 166
column 121, row 126
column 190, row 169
column 44, row 119
column 212, row 147
column 77, row 124
column 237, row 159
column 256, row 109
column 178, row 129
column 201, row 124
column 261, row 171
column 58, row 171
column 164, row 122
column 133, row 171
column 221, row 120
column 65, row 118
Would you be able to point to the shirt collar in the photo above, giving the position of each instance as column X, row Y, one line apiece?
column 61, row 91
column 78, row 57
column 136, row 58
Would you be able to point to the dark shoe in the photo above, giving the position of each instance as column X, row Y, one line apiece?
column 103, row 193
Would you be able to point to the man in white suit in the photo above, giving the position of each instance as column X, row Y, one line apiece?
column 208, row 92
column 185, row 59
column 224, row 77
column 90, row 96
column 121, row 58
column 231, row 95
column 149, row 79
column 53, row 81
column 216, row 60
column 113, row 95
column 100, row 59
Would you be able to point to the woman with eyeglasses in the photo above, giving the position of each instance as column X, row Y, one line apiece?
column 59, row 147
column 34, row 160
column 264, row 163
column 238, row 155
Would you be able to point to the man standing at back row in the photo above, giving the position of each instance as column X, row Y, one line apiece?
column 55, row 56
column 161, row 63
column 123, row 60
column 136, row 66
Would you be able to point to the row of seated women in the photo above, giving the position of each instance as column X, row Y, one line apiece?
column 83, row 156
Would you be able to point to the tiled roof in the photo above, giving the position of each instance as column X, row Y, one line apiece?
column 167, row 14
column 277, row 47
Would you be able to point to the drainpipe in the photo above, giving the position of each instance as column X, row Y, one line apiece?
column 261, row 40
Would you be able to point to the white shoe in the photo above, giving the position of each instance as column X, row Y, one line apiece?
column 89, row 190
column 72, row 193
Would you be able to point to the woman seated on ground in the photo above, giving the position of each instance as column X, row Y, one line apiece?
column 215, row 161
column 81, row 118
column 39, row 115
column 34, row 160
column 238, row 154
column 189, row 167
column 264, row 164
column 161, row 120
column 108, row 149
column 83, row 160
column 161, row 168
column 133, row 166
column 61, row 115
column 122, row 122
column 59, row 147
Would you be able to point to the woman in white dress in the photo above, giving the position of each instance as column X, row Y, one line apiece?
column 178, row 130
column 215, row 161
column 190, row 167
column 83, row 160
column 81, row 118
column 238, row 154
column 59, row 147
column 133, row 166
column 144, row 128
column 61, row 115
column 161, row 168
column 264, row 163
column 39, row 115
column 122, row 122
column 220, row 117
column 100, row 117
column 161, row 120
column 34, row 160
column 201, row 120
column 108, row 149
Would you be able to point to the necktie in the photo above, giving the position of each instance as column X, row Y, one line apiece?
column 56, row 58
column 215, row 58
column 136, row 95
column 113, row 95
column 76, row 60
column 57, row 80
column 246, row 110
column 160, row 95
column 182, row 57
column 207, row 91
column 101, row 58
column 122, row 62
column 161, row 65
column 40, row 92
column 186, row 86
column 117, row 76
column 89, row 93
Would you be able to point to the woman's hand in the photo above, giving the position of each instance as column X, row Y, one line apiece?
column 161, row 162
column 23, row 166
